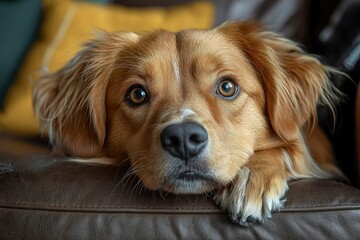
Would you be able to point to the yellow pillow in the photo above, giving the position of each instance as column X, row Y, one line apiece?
column 66, row 25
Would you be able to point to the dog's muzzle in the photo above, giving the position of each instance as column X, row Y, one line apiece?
column 184, row 140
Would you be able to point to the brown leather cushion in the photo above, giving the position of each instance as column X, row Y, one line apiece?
column 51, row 198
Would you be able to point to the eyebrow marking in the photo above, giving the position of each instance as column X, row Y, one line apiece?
column 177, row 115
column 186, row 112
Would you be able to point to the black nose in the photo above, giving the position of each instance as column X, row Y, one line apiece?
column 184, row 140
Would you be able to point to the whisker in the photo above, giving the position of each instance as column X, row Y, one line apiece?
column 131, row 172
column 138, row 184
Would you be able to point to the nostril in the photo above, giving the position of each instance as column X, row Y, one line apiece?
column 198, row 138
column 172, row 141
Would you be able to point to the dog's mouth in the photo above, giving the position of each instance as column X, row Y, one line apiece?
column 192, row 176
column 189, row 182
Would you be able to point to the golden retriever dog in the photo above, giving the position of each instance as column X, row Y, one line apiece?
column 230, row 111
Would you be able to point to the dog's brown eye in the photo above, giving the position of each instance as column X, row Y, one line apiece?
column 136, row 95
column 227, row 89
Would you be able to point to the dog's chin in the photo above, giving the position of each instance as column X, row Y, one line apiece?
column 189, row 183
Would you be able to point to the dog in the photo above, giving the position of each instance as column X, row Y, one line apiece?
column 231, row 110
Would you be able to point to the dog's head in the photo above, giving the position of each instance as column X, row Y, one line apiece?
column 189, row 108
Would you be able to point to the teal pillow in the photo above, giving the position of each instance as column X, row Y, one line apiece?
column 19, row 21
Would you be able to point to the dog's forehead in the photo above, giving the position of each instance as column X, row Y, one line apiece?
column 202, row 41
column 187, row 41
column 188, row 53
column 207, row 46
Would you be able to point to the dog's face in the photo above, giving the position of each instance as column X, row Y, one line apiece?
column 183, row 108
column 187, row 109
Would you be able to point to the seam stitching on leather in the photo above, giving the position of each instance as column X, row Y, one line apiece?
column 159, row 208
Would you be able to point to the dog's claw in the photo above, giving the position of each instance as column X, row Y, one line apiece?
column 243, row 224
column 251, row 219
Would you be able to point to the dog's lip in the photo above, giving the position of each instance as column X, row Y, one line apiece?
column 192, row 176
column 190, row 182
column 189, row 174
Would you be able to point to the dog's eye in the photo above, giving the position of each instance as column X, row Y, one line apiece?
column 227, row 89
column 136, row 95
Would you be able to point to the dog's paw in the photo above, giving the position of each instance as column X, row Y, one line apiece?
column 252, row 197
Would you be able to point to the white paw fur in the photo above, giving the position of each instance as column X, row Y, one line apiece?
column 244, row 206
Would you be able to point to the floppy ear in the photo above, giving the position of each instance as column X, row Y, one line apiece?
column 294, row 82
column 70, row 103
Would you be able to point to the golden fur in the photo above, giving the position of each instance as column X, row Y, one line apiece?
column 257, row 141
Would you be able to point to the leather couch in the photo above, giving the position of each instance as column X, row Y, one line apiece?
column 43, row 196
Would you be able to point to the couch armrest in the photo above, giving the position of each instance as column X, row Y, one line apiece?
column 53, row 198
